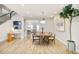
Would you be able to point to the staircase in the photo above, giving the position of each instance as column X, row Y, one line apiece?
column 7, row 16
column 5, row 22
column 5, row 25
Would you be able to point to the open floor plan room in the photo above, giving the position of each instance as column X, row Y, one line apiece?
column 39, row 28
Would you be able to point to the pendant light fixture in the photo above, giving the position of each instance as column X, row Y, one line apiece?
column 42, row 22
column 43, row 19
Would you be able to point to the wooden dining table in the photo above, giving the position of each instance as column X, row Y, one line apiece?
column 44, row 35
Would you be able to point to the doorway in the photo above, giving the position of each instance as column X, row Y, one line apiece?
column 31, row 26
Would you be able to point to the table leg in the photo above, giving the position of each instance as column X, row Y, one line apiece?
column 39, row 41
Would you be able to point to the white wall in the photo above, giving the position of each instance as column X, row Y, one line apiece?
column 75, row 32
column 64, row 36
column 5, row 28
column 49, row 26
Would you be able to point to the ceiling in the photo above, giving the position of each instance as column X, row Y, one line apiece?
column 36, row 10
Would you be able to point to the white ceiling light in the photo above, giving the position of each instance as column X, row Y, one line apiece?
column 42, row 22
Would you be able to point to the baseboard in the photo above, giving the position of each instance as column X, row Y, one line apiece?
column 65, row 43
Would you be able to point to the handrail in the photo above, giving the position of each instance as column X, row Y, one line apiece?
column 3, row 16
column 7, row 14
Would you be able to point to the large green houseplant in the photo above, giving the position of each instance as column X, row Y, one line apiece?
column 69, row 12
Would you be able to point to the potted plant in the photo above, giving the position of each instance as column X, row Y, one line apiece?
column 69, row 12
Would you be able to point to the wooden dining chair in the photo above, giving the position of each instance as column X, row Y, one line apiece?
column 36, row 37
column 46, row 39
column 52, row 38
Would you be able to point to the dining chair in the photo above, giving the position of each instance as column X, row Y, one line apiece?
column 36, row 37
column 46, row 38
column 52, row 38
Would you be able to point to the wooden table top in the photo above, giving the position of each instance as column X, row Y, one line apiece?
column 43, row 34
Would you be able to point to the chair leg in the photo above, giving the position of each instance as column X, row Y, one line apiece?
column 33, row 39
column 54, row 41
column 48, row 40
column 39, row 41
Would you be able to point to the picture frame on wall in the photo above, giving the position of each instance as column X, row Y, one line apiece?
column 59, row 24
column 17, row 24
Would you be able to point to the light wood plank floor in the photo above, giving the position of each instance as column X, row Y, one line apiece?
column 26, row 46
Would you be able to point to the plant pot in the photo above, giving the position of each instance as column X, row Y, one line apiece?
column 71, row 46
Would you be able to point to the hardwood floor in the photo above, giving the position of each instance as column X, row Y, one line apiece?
column 26, row 46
